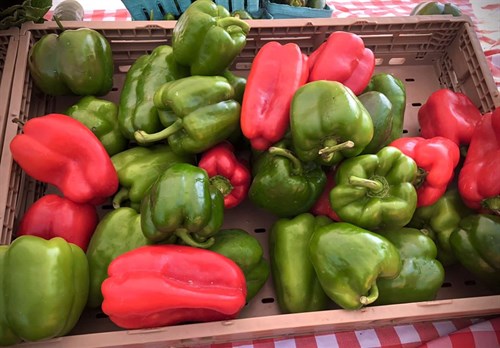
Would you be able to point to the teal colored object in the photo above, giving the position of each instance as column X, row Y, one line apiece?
column 280, row 11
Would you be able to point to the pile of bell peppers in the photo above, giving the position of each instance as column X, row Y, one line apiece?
column 364, row 215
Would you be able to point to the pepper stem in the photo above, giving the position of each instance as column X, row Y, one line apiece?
column 183, row 234
column 420, row 178
column 373, row 185
column 119, row 197
column 145, row 138
column 58, row 22
column 233, row 21
column 296, row 164
column 492, row 204
column 371, row 297
column 222, row 184
column 330, row 149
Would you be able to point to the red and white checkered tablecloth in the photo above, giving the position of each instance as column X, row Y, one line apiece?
column 459, row 333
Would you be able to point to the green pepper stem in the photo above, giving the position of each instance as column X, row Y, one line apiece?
column 420, row 178
column 492, row 204
column 330, row 149
column 371, row 297
column 230, row 21
column 183, row 234
column 58, row 22
column 145, row 138
column 373, row 185
column 296, row 164
column 119, row 197
column 222, row 184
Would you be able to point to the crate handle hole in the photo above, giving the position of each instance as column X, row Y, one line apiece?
column 410, row 80
column 405, row 131
column 397, row 61
column 259, row 230
column 267, row 300
column 416, row 104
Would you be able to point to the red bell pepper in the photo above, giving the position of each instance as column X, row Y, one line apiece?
column 344, row 58
column 322, row 205
column 226, row 172
column 479, row 178
column 59, row 150
column 277, row 72
column 450, row 115
column 54, row 216
column 160, row 285
column 436, row 159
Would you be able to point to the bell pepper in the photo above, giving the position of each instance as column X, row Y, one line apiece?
column 322, row 205
column 283, row 185
column 439, row 220
column 59, row 150
column 54, row 216
column 476, row 244
column 436, row 159
column 394, row 89
column 380, row 109
column 265, row 111
column 343, row 58
column 436, row 8
column 75, row 62
column 448, row 114
column 161, row 285
column 246, row 251
column 239, row 84
column 101, row 117
column 328, row 123
column 349, row 261
column 207, row 39
column 204, row 113
column 43, row 288
column 376, row 191
column 139, row 167
column 421, row 275
column 147, row 73
column 478, row 180
column 226, row 172
column 296, row 284
column 183, row 203
column 118, row 231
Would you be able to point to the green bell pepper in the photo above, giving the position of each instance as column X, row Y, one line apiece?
column 239, row 84
column 283, row 185
column 350, row 260
column 118, row 231
column 43, row 288
column 476, row 244
column 439, row 220
column 139, row 167
column 246, row 251
column 375, row 191
column 207, row 39
column 394, row 89
column 183, row 203
column 380, row 109
column 328, row 123
column 101, row 117
column 205, row 113
column 297, row 286
column 145, row 76
column 421, row 276
column 75, row 62
column 436, row 8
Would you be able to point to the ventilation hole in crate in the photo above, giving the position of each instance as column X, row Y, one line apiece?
column 161, row 9
column 177, row 6
column 416, row 104
column 410, row 80
column 446, row 285
column 101, row 315
column 146, row 14
column 405, row 131
column 397, row 61
column 114, row 89
column 267, row 300
column 470, row 282
column 259, row 230
column 379, row 61
column 245, row 3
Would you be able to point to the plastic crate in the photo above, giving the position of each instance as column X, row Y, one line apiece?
column 141, row 9
column 426, row 53
column 9, row 40
column 286, row 11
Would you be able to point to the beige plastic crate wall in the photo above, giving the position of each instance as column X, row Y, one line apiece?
column 425, row 55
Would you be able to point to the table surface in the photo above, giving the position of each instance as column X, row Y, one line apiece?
column 460, row 333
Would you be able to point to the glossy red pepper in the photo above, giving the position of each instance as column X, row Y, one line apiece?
column 59, row 150
column 479, row 178
column 226, row 172
column 450, row 115
column 160, row 285
column 322, row 205
column 344, row 58
column 436, row 159
column 54, row 216
column 277, row 72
